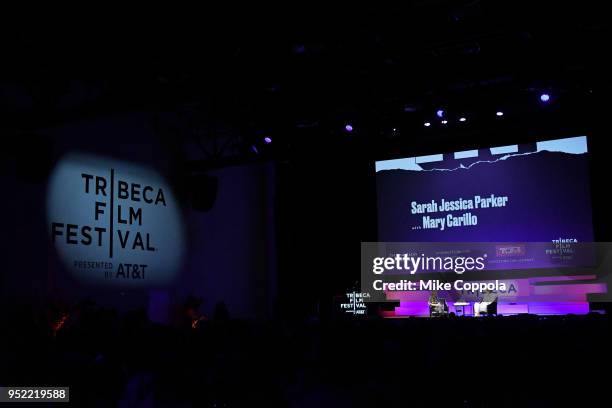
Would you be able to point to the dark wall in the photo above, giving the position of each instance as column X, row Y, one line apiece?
column 326, row 208
column 232, row 252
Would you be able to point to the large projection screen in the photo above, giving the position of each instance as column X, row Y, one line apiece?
column 536, row 192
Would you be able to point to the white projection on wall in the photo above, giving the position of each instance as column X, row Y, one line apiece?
column 114, row 222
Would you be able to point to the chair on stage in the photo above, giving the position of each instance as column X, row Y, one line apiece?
column 491, row 309
column 438, row 310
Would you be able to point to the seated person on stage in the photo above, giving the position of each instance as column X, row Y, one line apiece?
column 481, row 307
column 436, row 305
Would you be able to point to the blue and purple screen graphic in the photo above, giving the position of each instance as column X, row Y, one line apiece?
column 527, row 193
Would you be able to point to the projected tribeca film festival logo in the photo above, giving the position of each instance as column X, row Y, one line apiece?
column 114, row 221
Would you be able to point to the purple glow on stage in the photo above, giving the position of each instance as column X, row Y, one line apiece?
column 348, row 127
column 420, row 309
column 559, row 308
column 554, row 295
column 268, row 140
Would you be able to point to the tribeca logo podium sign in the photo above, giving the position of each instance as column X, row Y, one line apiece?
column 112, row 221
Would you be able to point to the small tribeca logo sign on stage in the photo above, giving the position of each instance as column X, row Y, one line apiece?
column 355, row 303
column 113, row 223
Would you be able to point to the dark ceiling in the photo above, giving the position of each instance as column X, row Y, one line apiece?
column 274, row 70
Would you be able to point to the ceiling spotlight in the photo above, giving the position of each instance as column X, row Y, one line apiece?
column 267, row 140
column 462, row 119
column 545, row 97
column 348, row 127
column 440, row 113
column 499, row 113
column 444, row 122
column 427, row 124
